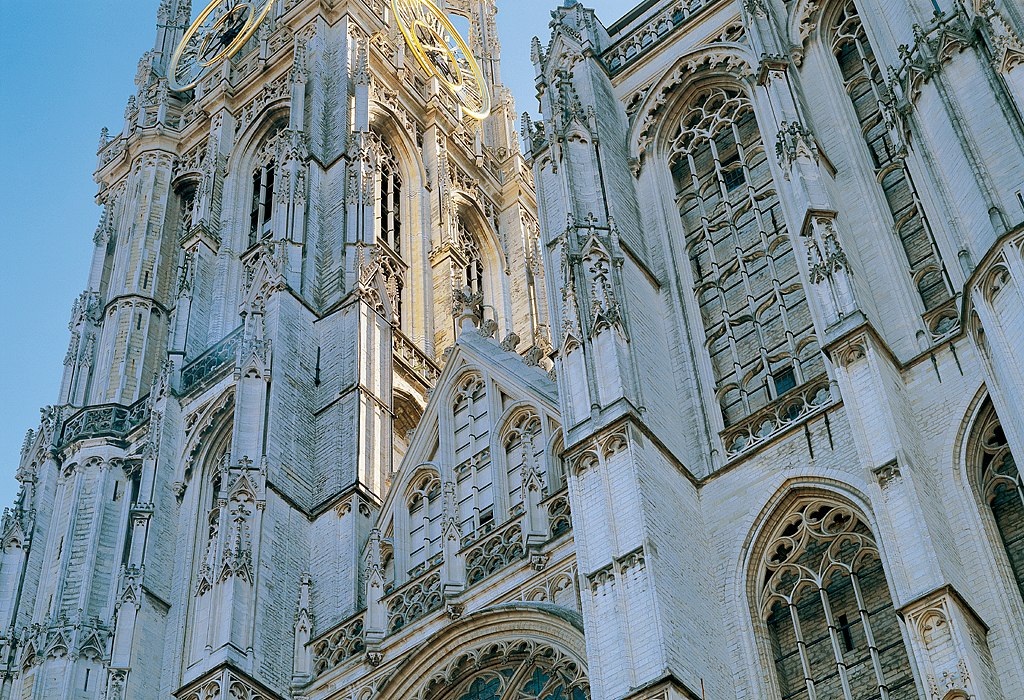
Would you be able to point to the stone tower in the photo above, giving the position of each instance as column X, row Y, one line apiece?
column 275, row 269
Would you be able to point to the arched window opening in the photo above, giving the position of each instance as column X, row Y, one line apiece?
column 824, row 598
column 865, row 85
column 389, row 213
column 388, row 222
column 519, row 671
column 473, row 272
column 473, row 471
column 753, row 308
column 407, row 416
column 186, row 207
column 424, row 524
column 262, row 210
column 996, row 472
column 524, row 451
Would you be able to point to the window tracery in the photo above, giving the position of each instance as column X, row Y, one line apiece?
column 999, row 482
column 473, row 470
column 424, row 504
column 187, row 204
column 752, row 305
column 823, row 596
column 516, row 670
column 388, row 217
column 473, row 272
column 389, row 198
column 262, row 209
column 524, row 460
column 865, row 86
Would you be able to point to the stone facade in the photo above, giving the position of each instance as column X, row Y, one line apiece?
column 711, row 393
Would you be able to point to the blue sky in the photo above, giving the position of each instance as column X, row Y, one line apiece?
column 68, row 69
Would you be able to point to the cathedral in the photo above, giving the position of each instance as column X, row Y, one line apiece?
column 703, row 384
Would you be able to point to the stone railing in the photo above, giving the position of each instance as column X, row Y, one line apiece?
column 415, row 599
column 106, row 420
column 627, row 49
column 494, row 552
column 790, row 409
column 415, row 359
column 338, row 645
column 210, row 361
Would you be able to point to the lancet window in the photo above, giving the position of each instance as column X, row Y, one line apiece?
column 865, row 85
column 473, row 470
column 187, row 202
column 473, row 273
column 752, row 305
column 388, row 220
column 424, row 503
column 389, row 202
column 824, row 599
column 524, row 458
column 1000, row 484
column 262, row 210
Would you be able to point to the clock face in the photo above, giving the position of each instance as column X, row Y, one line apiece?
column 218, row 32
column 442, row 53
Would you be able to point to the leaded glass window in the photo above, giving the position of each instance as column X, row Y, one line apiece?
column 524, row 449
column 520, row 675
column 1001, row 487
column 424, row 523
column 824, row 598
column 753, row 309
column 473, row 470
column 865, row 85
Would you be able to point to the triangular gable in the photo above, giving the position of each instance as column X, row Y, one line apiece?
column 472, row 352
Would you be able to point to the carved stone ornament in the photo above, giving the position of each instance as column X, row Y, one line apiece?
column 887, row 474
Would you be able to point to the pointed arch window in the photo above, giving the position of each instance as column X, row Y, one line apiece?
column 261, row 214
column 388, row 221
column 473, row 467
column 522, row 670
column 524, row 449
column 473, row 271
column 187, row 203
column 824, row 600
column 389, row 203
column 424, row 504
column 865, row 86
column 999, row 479
column 752, row 305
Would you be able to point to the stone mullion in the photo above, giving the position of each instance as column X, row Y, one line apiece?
column 833, row 634
column 475, row 476
column 716, row 272
column 876, row 660
column 801, row 646
column 737, row 247
column 425, row 519
column 770, row 261
column 737, row 242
